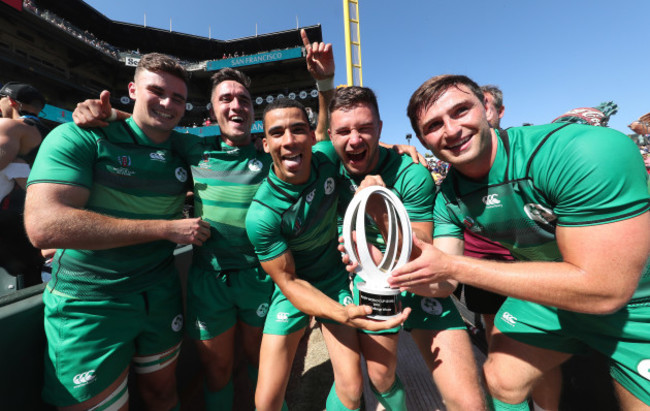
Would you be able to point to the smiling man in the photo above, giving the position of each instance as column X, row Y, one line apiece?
column 292, row 224
column 434, row 323
column 580, row 230
column 110, row 201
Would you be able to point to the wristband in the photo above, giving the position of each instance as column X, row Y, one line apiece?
column 325, row 84
column 112, row 117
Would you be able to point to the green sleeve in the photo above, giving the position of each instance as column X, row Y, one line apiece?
column 592, row 175
column 417, row 193
column 264, row 230
column 327, row 149
column 66, row 156
column 443, row 223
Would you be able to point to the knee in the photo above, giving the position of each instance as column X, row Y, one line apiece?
column 350, row 388
column 381, row 377
column 161, row 395
column 505, row 386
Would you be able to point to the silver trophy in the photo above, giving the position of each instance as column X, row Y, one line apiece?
column 374, row 291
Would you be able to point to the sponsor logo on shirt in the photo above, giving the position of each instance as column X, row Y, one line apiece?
column 644, row 368
column 181, row 174
column 347, row 300
column 310, row 196
column 123, row 171
column 124, row 161
column 84, row 378
column 472, row 225
column 491, row 201
column 255, row 165
column 509, row 318
column 177, row 323
column 282, row 317
column 329, row 185
column 262, row 310
column 431, row 306
column 540, row 214
column 158, row 156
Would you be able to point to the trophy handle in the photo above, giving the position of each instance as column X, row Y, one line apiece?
column 397, row 218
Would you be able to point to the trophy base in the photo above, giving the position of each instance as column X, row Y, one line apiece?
column 385, row 302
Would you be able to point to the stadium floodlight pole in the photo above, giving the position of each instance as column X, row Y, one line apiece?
column 352, row 45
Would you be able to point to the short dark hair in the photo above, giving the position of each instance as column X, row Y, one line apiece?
column 281, row 103
column 431, row 90
column 346, row 98
column 496, row 94
column 228, row 73
column 158, row 62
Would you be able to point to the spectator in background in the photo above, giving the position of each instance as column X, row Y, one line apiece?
column 494, row 97
column 21, row 133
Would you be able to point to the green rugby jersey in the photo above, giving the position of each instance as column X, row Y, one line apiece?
column 544, row 176
column 411, row 183
column 300, row 218
column 225, row 181
column 128, row 177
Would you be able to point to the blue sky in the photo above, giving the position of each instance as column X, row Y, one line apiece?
column 547, row 56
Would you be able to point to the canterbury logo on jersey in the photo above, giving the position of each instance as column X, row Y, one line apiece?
column 282, row 317
column 84, row 377
column 509, row 318
column 158, row 156
column 491, row 201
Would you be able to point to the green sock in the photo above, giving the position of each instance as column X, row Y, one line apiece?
column 219, row 400
column 394, row 399
column 334, row 403
column 502, row 406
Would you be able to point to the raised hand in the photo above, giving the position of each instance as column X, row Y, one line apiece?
column 320, row 58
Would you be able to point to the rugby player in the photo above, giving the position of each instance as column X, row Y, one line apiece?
column 110, row 201
column 435, row 324
column 580, row 229
column 292, row 224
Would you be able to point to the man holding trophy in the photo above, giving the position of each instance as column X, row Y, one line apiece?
column 292, row 225
column 435, row 324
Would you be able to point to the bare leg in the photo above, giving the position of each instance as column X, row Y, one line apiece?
column 449, row 356
column 217, row 358
column 343, row 347
column 547, row 390
column 627, row 400
column 512, row 367
column 276, row 357
column 158, row 388
column 380, row 353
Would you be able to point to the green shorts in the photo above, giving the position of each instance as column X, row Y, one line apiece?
column 624, row 336
column 216, row 300
column 284, row 318
column 427, row 313
column 90, row 342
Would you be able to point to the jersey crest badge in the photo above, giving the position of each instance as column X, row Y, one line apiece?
column 310, row 196
column 181, row 174
column 329, row 186
column 255, row 165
